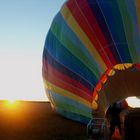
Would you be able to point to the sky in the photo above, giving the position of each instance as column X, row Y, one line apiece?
column 23, row 28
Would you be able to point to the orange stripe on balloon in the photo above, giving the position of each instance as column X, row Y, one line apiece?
column 103, row 78
column 98, row 86
column 94, row 94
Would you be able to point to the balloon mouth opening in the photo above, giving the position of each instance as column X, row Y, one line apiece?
column 133, row 102
column 109, row 73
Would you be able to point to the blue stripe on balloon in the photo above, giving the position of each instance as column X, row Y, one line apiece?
column 61, row 54
column 102, row 23
column 114, row 21
column 133, row 15
column 73, row 116
column 59, row 20
column 66, row 101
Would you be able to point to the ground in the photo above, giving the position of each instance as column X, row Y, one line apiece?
column 37, row 121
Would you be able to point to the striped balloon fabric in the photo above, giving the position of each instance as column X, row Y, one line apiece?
column 86, row 39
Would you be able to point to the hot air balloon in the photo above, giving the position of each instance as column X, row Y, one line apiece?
column 89, row 43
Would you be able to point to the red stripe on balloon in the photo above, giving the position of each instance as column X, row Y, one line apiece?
column 137, row 66
column 87, row 22
column 59, row 79
column 95, row 27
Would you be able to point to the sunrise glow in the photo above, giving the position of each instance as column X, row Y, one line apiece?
column 21, row 77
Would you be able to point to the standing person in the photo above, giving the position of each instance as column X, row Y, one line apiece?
column 113, row 116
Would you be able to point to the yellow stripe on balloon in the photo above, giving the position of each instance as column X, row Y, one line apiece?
column 96, row 97
column 82, row 36
column 111, row 72
column 94, row 105
column 123, row 66
column 66, row 93
column 128, row 65
column 119, row 67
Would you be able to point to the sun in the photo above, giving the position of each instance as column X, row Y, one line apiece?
column 11, row 103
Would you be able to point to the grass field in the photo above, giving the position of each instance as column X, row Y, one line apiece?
column 36, row 121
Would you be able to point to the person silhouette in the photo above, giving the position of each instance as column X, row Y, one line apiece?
column 113, row 116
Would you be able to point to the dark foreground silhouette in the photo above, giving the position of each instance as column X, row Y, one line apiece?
column 37, row 121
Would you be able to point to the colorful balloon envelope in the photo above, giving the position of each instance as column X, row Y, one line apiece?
column 87, row 42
